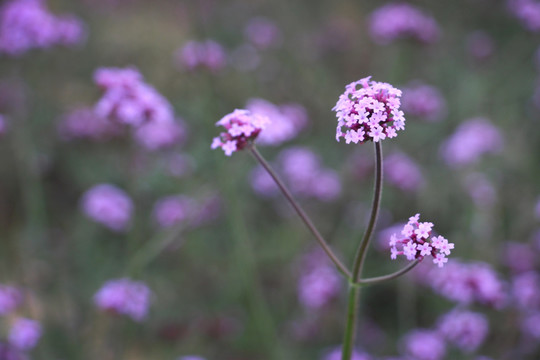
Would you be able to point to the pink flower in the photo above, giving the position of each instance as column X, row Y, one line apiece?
column 108, row 205
column 25, row 333
column 124, row 296
column 370, row 112
column 415, row 243
column 242, row 127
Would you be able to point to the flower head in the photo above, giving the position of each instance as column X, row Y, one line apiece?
column 242, row 127
column 10, row 299
column 108, row 205
column 465, row 329
column 25, row 333
column 415, row 242
column 368, row 112
column 124, row 296
column 424, row 345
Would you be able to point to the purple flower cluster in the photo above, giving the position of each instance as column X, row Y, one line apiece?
column 526, row 291
column 125, row 297
column 466, row 330
column 415, row 242
column 128, row 100
column 423, row 101
column 370, row 112
column 319, row 281
column 27, row 24
column 287, row 120
column 470, row 141
column 207, row 55
column 9, row 352
column 24, row 333
column 3, row 125
column 480, row 45
column 424, row 344
column 262, row 32
column 83, row 123
column 10, row 299
column 302, row 171
column 519, row 257
column 242, row 127
column 172, row 210
column 402, row 172
column 336, row 355
column 400, row 20
column 528, row 11
column 108, row 205
column 468, row 283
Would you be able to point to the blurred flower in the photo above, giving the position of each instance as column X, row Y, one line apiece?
column 465, row 329
column 423, row 101
column 108, row 205
column 208, row 54
column 156, row 135
column 25, row 333
column 27, row 24
column 319, row 281
column 191, row 357
column 262, row 32
column 415, row 243
column 467, row 283
column 127, row 99
column 470, row 141
column 480, row 45
column 402, row 172
column 369, row 113
column 242, row 127
column 172, row 210
column 336, row 355
column 83, row 123
column 519, row 257
column 10, row 299
column 401, row 20
column 424, row 345
column 528, row 11
column 286, row 120
column 526, row 290
column 125, row 297
column 530, row 324
column 302, row 172
column 9, row 352
column 480, row 189
column 3, row 125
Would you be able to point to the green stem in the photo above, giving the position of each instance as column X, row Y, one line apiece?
column 354, row 292
column 305, row 218
column 379, row 279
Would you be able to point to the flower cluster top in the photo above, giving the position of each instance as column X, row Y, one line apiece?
column 242, row 127
column 415, row 242
column 125, row 297
column 370, row 112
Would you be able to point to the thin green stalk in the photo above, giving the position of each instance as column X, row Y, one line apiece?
column 354, row 292
column 394, row 275
column 305, row 218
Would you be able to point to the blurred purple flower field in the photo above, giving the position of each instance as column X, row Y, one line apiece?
column 136, row 224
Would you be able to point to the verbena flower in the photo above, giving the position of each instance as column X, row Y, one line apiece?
column 424, row 345
column 423, row 101
column 173, row 210
column 472, row 139
column 207, row 54
column 24, row 333
column 369, row 112
column 27, row 24
column 128, row 100
column 287, row 120
column 526, row 290
column 415, row 242
column 10, row 299
column 528, row 11
column 402, row 172
column 242, row 128
column 125, row 297
column 262, row 32
column 84, row 123
column 467, row 330
column 3, row 125
column 336, row 355
column 319, row 281
column 401, row 20
column 108, row 205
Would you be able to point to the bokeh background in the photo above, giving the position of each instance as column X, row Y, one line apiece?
column 232, row 272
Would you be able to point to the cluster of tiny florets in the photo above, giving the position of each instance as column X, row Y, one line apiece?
column 370, row 112
column 242, row 127
column 415, row 242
